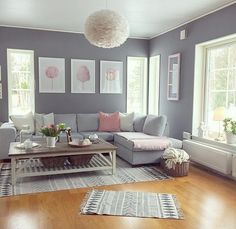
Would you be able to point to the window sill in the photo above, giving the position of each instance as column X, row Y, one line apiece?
column 218, row 144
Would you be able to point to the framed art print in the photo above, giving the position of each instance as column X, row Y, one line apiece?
column 173, row 77
column 111, row 77
column 51, row 75
column 82, row 76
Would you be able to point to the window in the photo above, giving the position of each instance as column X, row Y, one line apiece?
column 220, row 85
column 214, row 84
column 137, row 85
column 153, row 97
column 20, row 81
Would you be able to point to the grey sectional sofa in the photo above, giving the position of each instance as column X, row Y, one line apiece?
column 82, row 126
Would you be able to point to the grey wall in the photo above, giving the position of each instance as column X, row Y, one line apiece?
column 66, row 45
column 218, row 24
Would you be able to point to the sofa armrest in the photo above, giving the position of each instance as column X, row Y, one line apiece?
column 7, row 135
column 7, row 124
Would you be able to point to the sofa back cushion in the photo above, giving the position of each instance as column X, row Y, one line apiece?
column 127, row 121
column 109, row 122
column 155, row 125
column 139, row 122
column 87, row 122
column 68, row 119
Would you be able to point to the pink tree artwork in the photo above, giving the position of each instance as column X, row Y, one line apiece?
column 83, row 75
column 52, row 72
column 112, row 80
column 111, row 74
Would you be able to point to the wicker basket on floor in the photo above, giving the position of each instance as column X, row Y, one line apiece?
column 80, row 159
column 50, row 162
column 180, row 170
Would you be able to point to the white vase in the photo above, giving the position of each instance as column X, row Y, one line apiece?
column 51, row 141
column 230, row 138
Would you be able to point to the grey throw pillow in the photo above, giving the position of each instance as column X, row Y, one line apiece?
column 139, row 122
column 155, row 125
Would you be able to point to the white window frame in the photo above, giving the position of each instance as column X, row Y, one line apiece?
column 200, row 80
column 32, row 82
column 144, row 82
column 154, row 85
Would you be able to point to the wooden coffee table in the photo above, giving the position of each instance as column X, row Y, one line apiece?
column 26, row 163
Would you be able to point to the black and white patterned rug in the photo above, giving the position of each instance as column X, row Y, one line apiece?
column 133, row 204
column 125, row 173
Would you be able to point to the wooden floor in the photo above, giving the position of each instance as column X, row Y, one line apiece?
column 208, row 202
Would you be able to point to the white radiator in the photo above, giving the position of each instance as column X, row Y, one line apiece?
column 215, row 158
column 234, row 166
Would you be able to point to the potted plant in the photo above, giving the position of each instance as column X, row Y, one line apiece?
column 230, row 130
column 51, row 132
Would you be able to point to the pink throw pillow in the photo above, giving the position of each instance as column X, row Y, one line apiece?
column 109, row 122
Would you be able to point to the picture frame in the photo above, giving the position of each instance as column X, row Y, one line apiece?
column 0, row 90
column 111, row 77
column 82, row 76
column 173, row 77
column 51, row 75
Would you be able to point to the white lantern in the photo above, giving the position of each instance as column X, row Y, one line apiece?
column 106, row 29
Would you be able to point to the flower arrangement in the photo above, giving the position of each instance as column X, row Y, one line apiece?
column 229, row 126
column 52, row 130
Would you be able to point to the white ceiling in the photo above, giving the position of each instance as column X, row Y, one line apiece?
column 147, row 18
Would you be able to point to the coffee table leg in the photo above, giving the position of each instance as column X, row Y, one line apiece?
column 13, row 174
column 113, row 162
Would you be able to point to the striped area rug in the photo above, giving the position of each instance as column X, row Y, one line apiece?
column 125, row 173
column 133, row 204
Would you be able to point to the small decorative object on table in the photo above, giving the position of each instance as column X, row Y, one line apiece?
column 93, row 138
column 175, row 162
column 25, row 133
column 62, row 128
column 68, row 134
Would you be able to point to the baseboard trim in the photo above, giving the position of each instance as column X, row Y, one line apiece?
column 206, row 168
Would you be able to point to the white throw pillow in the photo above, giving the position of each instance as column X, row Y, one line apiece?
column 48, row 119
column 127, row 121
column 21, row 120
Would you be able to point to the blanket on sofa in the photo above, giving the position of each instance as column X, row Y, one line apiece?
column 143, row 141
